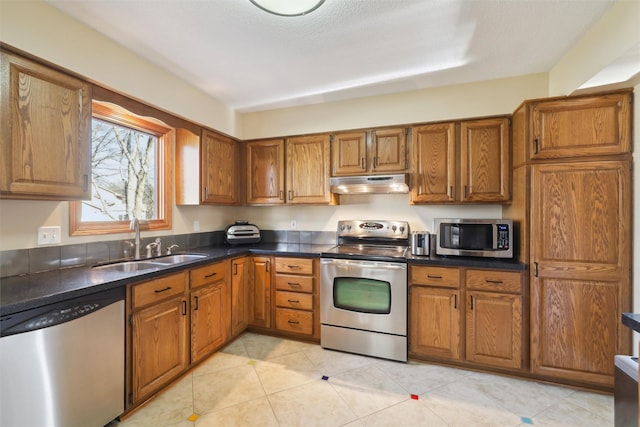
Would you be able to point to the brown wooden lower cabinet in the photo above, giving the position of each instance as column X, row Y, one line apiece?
column 240, row 297
column 469, row 315
column 159, row 340
column 175, row 321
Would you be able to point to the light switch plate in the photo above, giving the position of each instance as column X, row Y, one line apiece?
column 49, row 235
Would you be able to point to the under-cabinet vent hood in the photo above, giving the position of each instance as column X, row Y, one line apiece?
column 370, row 184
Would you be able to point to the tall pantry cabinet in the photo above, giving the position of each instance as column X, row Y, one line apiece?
column 572, row 200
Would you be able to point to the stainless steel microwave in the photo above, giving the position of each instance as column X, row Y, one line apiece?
column 491, row 238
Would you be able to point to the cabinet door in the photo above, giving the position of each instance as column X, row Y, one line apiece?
column 210, row 319
column 308, row 169
column 485, row 161
column 581, row 217
column 240, row 308
column 265, row 172
column 494, row 329
column 45, row 122
column 434, row 163
column 219, row 169
column 582, row 126
column 389, row 150
column 434, row 322
column 159, row 351
column 348, row 153
column 261, row 292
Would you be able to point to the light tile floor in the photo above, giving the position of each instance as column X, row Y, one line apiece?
column 265, row 381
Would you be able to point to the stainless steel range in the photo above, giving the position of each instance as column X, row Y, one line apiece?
column 363, row 289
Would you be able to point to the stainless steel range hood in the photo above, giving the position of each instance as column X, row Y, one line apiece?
column 370, row 184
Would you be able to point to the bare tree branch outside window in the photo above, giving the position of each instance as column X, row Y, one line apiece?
column 124, row 174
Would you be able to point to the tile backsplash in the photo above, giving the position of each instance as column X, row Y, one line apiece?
column 35, row 260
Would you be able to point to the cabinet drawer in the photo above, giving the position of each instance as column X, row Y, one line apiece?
column 287, row 282
column 294, row 265
column 493, row 280
column 208, row 274
column 297, row 321
column 294, row 300
column 435, row 276
column 159, row 289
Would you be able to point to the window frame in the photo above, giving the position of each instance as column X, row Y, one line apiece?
column 164, row 154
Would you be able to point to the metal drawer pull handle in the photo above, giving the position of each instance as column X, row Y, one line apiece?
column 293, row 322
column 210, row 275
column 293, row 301
column 293, row 283
column 495, row 282
column 293, row 266
column 158, row 291
column 433, row 277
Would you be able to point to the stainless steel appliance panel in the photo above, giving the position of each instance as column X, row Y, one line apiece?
column 393, row 347
column 67, row 375
column 395, row 273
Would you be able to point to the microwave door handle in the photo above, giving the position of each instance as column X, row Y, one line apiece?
column 495, row 236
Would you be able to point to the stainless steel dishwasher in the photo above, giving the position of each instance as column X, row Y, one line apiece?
column 63, row 364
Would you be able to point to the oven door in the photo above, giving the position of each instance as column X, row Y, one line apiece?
column 365, row 295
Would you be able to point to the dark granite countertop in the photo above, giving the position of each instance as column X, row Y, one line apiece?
column 24, row 292
column 455, row 261
column 631, row 320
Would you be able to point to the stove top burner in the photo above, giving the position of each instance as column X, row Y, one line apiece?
column 371, row 240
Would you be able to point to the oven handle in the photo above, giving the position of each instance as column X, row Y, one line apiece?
column 361, row 263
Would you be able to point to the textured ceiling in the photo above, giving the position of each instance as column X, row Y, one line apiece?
column 251, row 60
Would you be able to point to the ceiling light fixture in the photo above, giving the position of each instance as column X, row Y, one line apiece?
column 288, row 7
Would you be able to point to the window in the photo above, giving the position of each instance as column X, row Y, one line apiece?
column 131, row 170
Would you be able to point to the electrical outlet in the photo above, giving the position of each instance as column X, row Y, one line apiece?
column 293, row 224
column 196, row 225
column 49, row 235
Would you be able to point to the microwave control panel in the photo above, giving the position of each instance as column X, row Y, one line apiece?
column 503, row 236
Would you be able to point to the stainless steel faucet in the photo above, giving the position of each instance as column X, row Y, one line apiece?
column 135, row 226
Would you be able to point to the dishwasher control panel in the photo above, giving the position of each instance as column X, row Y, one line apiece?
column 57, row 313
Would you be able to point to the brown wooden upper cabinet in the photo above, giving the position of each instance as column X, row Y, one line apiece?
column 306, row 172
column 581, row 126
column 207, row 168
column 45, row 122
column 265, row 172
column 466, row 162
column 376, row 151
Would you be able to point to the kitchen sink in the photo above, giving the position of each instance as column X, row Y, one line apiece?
column 179, row 258
column 132, row 266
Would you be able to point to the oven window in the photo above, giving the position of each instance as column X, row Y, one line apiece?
column 362, row 295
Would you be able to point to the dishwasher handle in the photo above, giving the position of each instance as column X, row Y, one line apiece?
column 58, row 313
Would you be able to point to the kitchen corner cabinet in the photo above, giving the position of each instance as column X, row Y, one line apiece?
column 466, row 162
column 45, row 131
column 581, row 126
column 159, row 340
column 487, row 330
column 265, row 172
column 240, row 298
column 296, row 296
column 260, row 292
column 207, row 169
column 210, row 293
column 376, row 151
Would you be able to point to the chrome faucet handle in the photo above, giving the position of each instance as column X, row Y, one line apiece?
column 149, row 248
column 158, row 246
column 128, row 247
column 170, row 248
